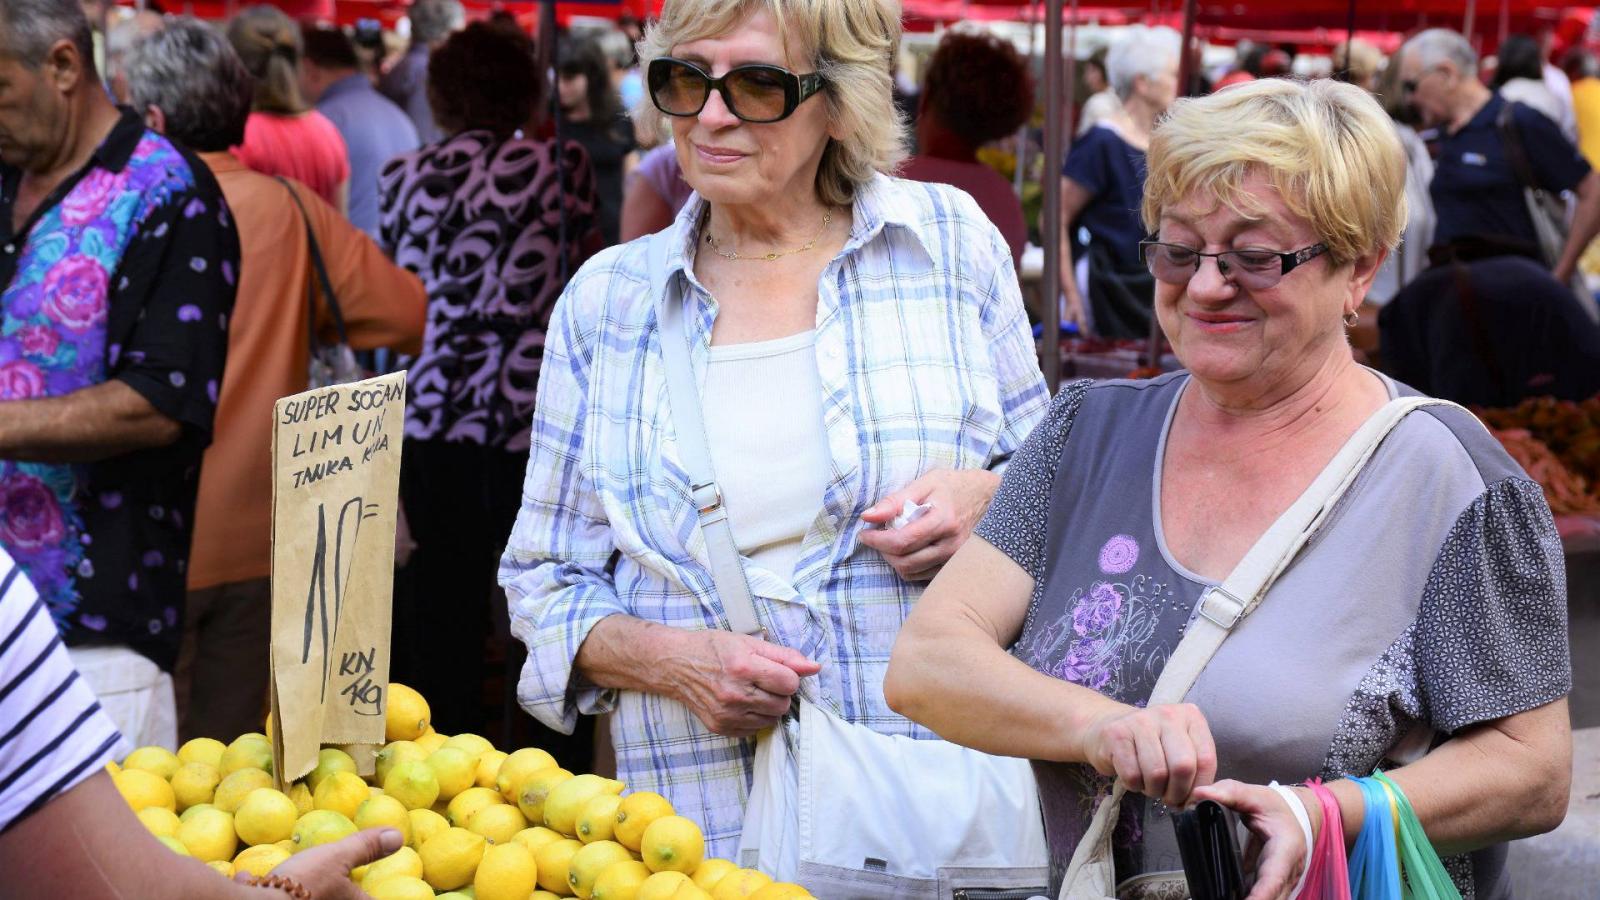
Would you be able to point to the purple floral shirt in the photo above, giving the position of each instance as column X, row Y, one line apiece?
column 125, row 272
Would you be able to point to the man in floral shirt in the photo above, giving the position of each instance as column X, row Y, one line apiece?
column 119, row 260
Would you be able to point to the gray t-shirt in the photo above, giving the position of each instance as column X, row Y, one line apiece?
column 1434, row 597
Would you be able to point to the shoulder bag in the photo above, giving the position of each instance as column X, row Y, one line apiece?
column 835, row 806
column 330, row 363
column 1091, row 875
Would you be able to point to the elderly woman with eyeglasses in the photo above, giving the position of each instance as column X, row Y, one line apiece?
column 1423, row 630
column 860, row 343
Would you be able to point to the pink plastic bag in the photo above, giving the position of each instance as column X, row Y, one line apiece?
column 1328, row 876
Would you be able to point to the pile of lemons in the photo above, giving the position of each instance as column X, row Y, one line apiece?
column 478, row 823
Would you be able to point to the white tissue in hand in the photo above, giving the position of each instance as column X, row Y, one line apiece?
column 909, row 513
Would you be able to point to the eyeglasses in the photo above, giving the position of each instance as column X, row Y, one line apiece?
column 754, row 93
column 1409, row 86
column 1254, row 270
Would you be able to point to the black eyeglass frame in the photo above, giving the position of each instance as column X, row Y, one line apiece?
column 1290, row 260
column 1409, row 86
column 796, row 88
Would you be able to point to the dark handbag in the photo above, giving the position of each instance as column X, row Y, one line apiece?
column 1206, row 841
column 330, row 363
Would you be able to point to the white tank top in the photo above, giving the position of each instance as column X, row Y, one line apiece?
column 763, row 414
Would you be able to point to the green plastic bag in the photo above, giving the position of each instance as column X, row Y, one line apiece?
column 1424, row 874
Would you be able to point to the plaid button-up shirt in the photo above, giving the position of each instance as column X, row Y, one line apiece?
column 926, row 361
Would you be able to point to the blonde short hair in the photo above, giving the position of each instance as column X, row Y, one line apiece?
column 1325, row 145
column 852, row 43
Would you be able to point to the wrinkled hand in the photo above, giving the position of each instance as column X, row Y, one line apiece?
column 736, row 685
column 1276, row 851
column 916, row 551
column 1072, row 307
column 1164, row 751
column 325, row 870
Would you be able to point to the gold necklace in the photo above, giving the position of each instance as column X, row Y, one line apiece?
column 827, row 219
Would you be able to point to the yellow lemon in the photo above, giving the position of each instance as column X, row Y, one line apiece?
column 507, row 872
column 202, row 750
column 662, row 885
column 598, row 818
column 161, row 821
column 259, row 860
column 567, row 798
column 544, row 895
column 740, row 884
column 534, row 791
column 587, row 864
column 672, row 844
column 413, row 784
column 209, row 835
column 143, row 789
column 430, row 741
column 536, row 837
column 401, row 887
column 175, row 845
column 474, row 745
column 553, row 859
column 384, row 811
column 498, row 823
column 402, row 863
column 690, row 891
column 635, row 814
column 394, row 754
column 342, row 792
column 780, row 890
column 248, row 751
column 300, row 793
column 320, row 826
column 450, row 858
column 221, row 867
column 265, row 817
column 619, row 881
column 489, row 769
column 466, row 804
column 195, row 783
column 405, row 714
column 158, row 761
column 455, row 895
column 234, row 788
column 286, row 846
column 112, row 767
column 456, row 770
column 508, row 779
column 425, row 823
column 193, row 811
column 329, row 761
column 711, row 871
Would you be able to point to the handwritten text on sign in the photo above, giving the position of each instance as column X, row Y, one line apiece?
column 336, row 479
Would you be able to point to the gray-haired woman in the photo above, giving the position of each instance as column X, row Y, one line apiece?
column 862, row 344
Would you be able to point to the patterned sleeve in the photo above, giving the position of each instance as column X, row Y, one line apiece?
column 1016, row 520
column 1492, row 633
column 554, row 570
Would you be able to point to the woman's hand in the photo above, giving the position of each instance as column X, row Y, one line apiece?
column 1276, row 851
column 735, row 685
column 917, row 551
column 325, row 870
column 1165, row 751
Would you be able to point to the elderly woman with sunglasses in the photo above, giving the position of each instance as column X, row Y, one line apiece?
column 860, row 343
column 1423, row 629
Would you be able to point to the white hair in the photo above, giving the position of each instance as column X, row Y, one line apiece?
column 1142, row 51
column 1438, row 45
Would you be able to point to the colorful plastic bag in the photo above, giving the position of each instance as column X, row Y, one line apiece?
column 1375, row 858
column 1425, row 875
column 1328, row 874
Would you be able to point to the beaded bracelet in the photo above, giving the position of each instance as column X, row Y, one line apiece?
column 284, row 883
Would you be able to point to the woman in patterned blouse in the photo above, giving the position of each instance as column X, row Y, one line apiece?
column 862, row 344
column 1422, row 630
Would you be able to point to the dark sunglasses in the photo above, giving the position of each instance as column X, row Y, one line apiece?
column 1256, row 270
column 754, row 93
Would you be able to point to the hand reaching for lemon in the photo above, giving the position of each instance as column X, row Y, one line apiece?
column 325, row 871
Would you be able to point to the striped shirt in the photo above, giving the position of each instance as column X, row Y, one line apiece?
column 927, row 362
column 53, row 733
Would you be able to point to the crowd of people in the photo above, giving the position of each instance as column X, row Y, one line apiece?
column 193, row 208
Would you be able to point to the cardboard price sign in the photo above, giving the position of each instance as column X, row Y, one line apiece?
column 335, row 497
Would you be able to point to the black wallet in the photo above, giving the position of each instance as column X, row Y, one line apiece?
column 1210, row 851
